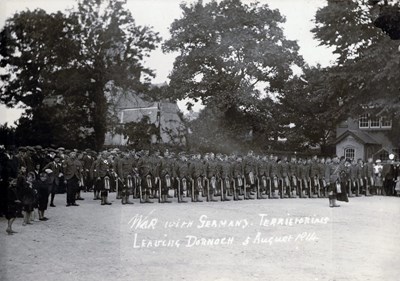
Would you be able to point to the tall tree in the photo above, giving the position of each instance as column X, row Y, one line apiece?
column 230, row 56
column 368, row 64
column 76, row 54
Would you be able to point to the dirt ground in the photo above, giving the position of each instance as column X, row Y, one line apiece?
column 285, row 239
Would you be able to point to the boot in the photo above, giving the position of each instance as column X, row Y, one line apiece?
column 166, row 199
column 147, row 200
column 236, row 197
column 196, row 197
column 181, row 199
column 127, row 201
column 102, row 200
column 248, row 196
column 226, row 198
column 123, row 200
column 212, row 198
column 106, row 201
column 334, row 203
column 119, row 196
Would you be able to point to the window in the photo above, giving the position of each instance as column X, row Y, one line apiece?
column 375, row 123
column 363, row 121
column 386, row 123
column 349, row 153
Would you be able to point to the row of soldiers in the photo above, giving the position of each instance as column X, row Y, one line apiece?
column 146, row 176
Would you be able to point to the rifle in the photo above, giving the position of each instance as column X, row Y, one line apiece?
column 222, row 191
column 244, row 188
column 192, row 195
column 179, row 189
column 258, row 188
column 208, row 188
column 159, row 190
column 140, row 191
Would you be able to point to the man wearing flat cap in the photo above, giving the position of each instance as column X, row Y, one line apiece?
column 72, row 173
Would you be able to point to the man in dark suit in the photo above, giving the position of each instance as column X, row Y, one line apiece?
column 72, row 174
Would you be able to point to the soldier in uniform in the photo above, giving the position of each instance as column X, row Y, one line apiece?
column 166, row 175
column 125, row 175
column 197, row 173
column 263, row 177
column 146, row 177
column 293, row 173
column 321, row 176
column 87, row 162
column 314, row 173
column 250, row 173
column 238, row 171
column 183, row 179
column 72, row 174
column 102, row 177
column 284, row 172
column 274, row 175
column 225, row 171
column 303, row 172
column 213, row 175
column 333, row 181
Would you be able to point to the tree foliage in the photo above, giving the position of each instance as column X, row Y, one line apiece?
column 233, row 57
column 74, row 55
column 226, row 50
column 368, row 66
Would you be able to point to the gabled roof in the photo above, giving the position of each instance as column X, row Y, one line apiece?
column 358, row 135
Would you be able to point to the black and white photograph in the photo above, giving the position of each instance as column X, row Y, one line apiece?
column 200, row 140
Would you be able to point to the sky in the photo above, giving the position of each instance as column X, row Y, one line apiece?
column 161, row 13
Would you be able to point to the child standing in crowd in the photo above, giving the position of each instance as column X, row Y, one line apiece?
column 42, row 185
column 28, row 198
column 397, row 188
column 13, row 204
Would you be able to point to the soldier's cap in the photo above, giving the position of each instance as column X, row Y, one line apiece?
column 48, row 171
column 87, row 150
column 38, row 147
column 378, row 161
column 30, row 148
column 22, row 149
column 67, row 151
column 61, row 148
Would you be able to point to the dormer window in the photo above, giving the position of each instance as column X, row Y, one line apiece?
column 363, row 121
column 366, row 121
column 386, row 123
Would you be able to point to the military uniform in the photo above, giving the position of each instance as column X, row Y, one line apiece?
column 146, row 177
column 237, row 171
column 213, row 176
column 125, row 175
column 102, row 179
column 250, row 173
column 183, row 178
column 197, row 173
